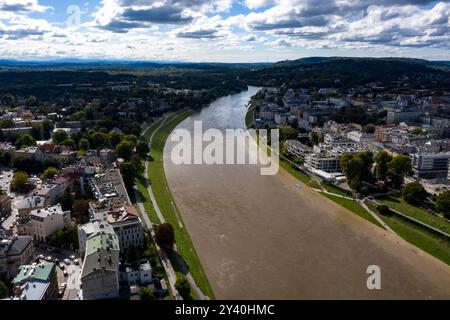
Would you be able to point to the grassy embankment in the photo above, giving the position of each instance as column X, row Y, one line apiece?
column 166, row 203
column 428, row 241
column 416, row 212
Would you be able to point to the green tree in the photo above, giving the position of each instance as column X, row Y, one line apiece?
column 80, row 210
column 50, row 173
column 25, row 140
column 31, row 101
column 183, row 287
column 287, row 133
column 131, row 138
column 36, row 131
column 314, row 137
column 146, row 294
column 370, row 128
column 382, row 160
column 398, row 168
column 114, row 138
column 99, row 140
column 83, row 144
column 414, row 193
column 384, row 210
column 7, row 123
column 4, row 293
column 5, row 158
column 142, row 149
column 353, row 169
column 69, row 143
column 59, row 136
column 416, row 131
column 165, row 236
column 443, row 203
column 124, row 150
column 20, row 180
column 67, row 201
column 47, row 128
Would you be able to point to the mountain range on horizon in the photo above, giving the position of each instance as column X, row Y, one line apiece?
column 67, row 62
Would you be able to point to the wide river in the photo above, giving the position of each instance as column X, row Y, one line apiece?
column 261, row 237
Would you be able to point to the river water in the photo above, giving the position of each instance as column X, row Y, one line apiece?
column 261, row 237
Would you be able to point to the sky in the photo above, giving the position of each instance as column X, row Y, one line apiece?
column 223, row 30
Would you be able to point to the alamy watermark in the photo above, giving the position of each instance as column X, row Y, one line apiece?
column 232, row 147
column 74, row 19
column 374, row 280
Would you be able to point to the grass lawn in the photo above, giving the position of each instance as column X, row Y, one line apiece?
column 337, row 190
column 167, row 204
column 353, row 206
column 420, row 237
column 297, row 173
column 314, row 184
column 250, row 116
column 415, row 212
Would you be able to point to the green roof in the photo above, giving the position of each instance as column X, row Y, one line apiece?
column 40, row 272
column 102, row 241
column 102, row 254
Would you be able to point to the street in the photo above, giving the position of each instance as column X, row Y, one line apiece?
column 72, row 279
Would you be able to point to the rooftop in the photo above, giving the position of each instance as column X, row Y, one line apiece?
column 39, row 272
column 102, row 253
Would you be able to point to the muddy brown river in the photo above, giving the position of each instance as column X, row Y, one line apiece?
column 261, row 237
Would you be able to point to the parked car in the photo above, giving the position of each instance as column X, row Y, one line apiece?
column 76, row 261
column 62, row 266
column 72, row 257
column 49, row 258
column 65, row 273
column 41, row 256
column 67, row 261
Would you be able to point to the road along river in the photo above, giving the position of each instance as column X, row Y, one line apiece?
column 260, row 237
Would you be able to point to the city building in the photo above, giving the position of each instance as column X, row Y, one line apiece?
column 139, row 274
column 5, row 206
column 126, row 224
column 36, row 282
column 44, row 222
column 100, row 272
column 90, row 229
column 431, row 166
column 14, row 252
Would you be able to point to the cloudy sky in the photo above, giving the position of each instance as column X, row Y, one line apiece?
column 223, row 30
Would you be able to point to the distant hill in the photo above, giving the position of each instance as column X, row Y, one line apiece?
column 123, row 64
column 350, row 72
column 317, row 60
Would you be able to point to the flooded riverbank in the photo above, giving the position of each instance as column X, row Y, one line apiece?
column 260, row 237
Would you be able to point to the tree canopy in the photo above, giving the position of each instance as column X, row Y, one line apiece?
column 165, row 236
column 414, row 193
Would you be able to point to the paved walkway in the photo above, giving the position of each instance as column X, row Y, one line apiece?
column 376, row 217
column 161, row 218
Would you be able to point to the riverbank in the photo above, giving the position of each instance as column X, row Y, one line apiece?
column 166, row 203
column 263, row 237
column 419, row 237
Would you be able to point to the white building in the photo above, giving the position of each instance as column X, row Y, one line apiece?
column 90, row 229
column 126, row 224
column 45, row 221
column 431, row 166
column 140, row 275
